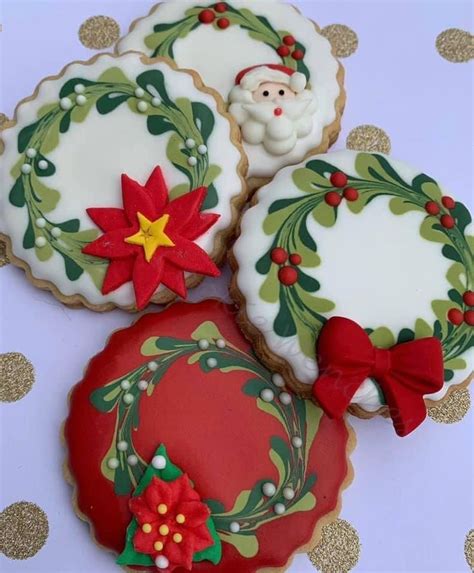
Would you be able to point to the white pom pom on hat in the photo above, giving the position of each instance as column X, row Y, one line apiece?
column 251, row 78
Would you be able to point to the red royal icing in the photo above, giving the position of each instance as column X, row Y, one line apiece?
column 447, row 221
column 455, row 316
column 432, row 208
column 468, row 298
column 448, row 202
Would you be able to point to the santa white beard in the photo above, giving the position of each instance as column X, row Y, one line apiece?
column 277, row 133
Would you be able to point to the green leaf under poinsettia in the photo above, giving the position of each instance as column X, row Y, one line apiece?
column 168, row 474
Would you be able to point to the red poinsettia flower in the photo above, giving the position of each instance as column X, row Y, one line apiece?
column 171, row 522
column 151, row 240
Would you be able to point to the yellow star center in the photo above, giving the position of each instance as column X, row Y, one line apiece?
column 151, row 235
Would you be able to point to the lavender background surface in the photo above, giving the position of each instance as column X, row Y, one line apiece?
column 412, row 498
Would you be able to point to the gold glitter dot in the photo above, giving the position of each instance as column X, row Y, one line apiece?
column 99, row 32
column 455, row 45
column 4, row 260
column 453, row 409
column 16, row 376
column 368, row 138
column 24, row 530
column 343, row 40
column 338, row 550
column 3, row 120
column 469, row 549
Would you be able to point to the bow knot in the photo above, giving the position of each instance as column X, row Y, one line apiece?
column 382, row 363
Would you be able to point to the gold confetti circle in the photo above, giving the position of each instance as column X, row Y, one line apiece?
column 17, row 376
column 4, row 260
column 343, row 40
column 3, row 120
column 453, row 409
column 455, row 45
column 24, row 530
column 338, row 550
column 368, row 138
column 99, row 32
column 469, row 549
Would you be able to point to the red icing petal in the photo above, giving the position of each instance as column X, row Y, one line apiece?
column 158, row 492
column 196, row 513
column 144, row 542
column 180, row 554
column 201, row 537
column 119, row 272
column 189, row 257
column 146, row 278
column 183, row 489
column 112, row 245
column 137, row 200
column 173, row 278
column 200, row 224
column 157, row 189
column 141, row 511
column 108, row 219
column 183, row 209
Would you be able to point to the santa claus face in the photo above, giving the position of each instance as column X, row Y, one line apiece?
column 272, row 91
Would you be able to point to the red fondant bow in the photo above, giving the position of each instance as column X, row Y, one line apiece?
column 405, row 372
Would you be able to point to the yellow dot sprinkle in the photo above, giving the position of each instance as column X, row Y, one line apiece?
column 180, row 518
column 146, row 528
column 164, row 530
column 162, row 508
column 177, row 538
column 158, row 546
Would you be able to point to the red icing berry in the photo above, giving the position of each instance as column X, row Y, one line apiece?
column 297, row 55
column 469, row 317
column 220, row 7
column 455, row 316
column 351, row 194
column 447, row 221
column 223, row 23
column 289, row 40
column 288, row 276
column 283, row 51
column 448, row 202
column 468, row 298
column 333, row 198
column 279, row 255
column 295, row 259
column 432, row 208
column 338, row 179
column 278, row 111
column 207, row 16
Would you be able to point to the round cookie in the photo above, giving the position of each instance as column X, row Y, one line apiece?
column 284, row 86
column 365, row 238
column 181, row 390
column 121, row 181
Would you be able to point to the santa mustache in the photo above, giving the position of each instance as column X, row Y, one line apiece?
column 264, row 112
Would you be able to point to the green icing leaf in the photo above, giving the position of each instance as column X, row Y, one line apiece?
column 311, row 180
column 50, row 169
column 462, row 216
column 451, row 253
column 178, row 190
column 207, row 330
column 212, row 174
column 110, row 101
column 211, row 198
column 456, row 275
column 65, row 122
column 324, row 214
column 405, row 335
column 422, row 329
column 114, row 76
column 307, row 283
column 204, row 119
column 270, row 289
column 25, row 135
column 382, row 337
column 44, row 253
column 374, row 167
column 17, row 193
column 158, row 124
column 29, row 236
column 254, row 387
column 73, row 270
column 400, row 206
column 455, row 364
column 455, row 296
column 427, row 186
column 68, row 87
column 246, row 545
column 284, row 324
column 153, row 81
column 47, row 198
column 70, row 226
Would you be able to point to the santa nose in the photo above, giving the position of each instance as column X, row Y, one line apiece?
column 278, row 111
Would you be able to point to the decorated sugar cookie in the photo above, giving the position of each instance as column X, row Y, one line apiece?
column 267, row 60
column 120, row 182
column 355, row 275
column 187, row 454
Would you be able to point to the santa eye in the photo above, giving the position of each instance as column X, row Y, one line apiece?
column 266, row 93
column 282, row 92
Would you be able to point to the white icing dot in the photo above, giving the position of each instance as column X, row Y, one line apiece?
column 203, row 344
column 125, row 385
column 267, row 395
column 142, row 106
column 79, row 88
column 288, row 493
column 211, row 362
column 139, row 92
column 43, row 164
column 161, row 562
column 31, row 152
column 56, row 232
column 153, row 366
column 26, row 168
column 65, row 103
column 285, row 398
column 190, row 143
column 142, row 385
column 279, row 508
column 269, row 489
column 297, row 442
column 40, row 242
column 128, row 399
column 159, row 462
column 192, row 161
column 220, row 343
column 41, row 223
column 277, row 379
column 234, row 527
column 156, row 101
column 122, row 446
column 132, row 460
column 113, row 463
column 202, row 150
column 81, row 100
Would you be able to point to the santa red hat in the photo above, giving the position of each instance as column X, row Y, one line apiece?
column 251, row 78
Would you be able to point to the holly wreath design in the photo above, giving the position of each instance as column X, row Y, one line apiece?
column 293, row 249
column 190, row 124
column 222, row 16
column 208, row 350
